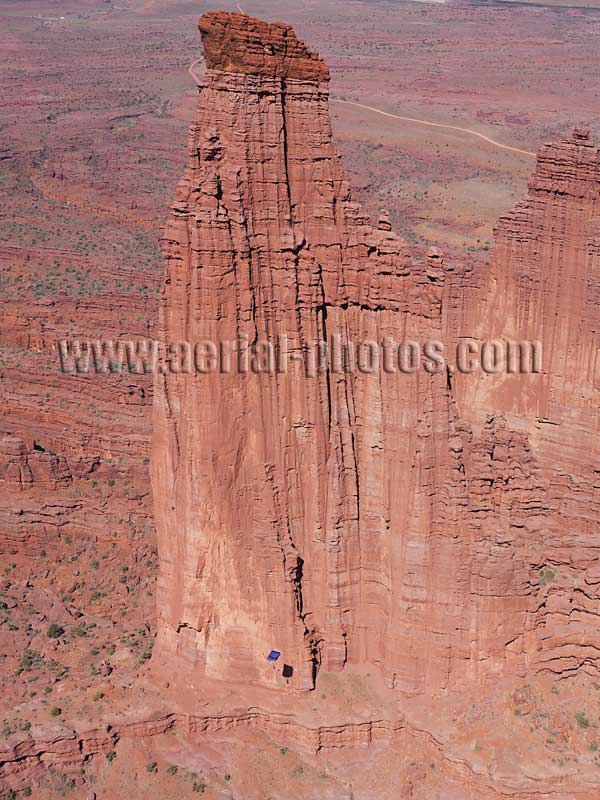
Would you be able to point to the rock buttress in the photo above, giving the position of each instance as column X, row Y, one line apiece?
column 534, row 507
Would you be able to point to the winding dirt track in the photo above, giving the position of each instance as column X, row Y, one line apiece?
column 191, row 69
column 468, row 131
column 436, row 125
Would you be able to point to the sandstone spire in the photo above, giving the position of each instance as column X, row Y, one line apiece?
column 286, row 506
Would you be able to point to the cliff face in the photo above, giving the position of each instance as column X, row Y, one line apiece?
column 419, row 523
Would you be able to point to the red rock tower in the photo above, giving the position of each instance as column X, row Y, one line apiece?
column 289, row 509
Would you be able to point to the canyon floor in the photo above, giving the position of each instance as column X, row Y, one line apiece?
column 97, row 98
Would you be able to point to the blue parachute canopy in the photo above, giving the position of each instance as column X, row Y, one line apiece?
column 273, row 655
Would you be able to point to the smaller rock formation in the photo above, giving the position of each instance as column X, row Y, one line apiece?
column 435, row 265
column 22, row 467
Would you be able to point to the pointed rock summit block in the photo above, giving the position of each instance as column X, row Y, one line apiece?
column 242, row 44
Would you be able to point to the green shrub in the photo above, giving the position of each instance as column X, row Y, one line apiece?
column 546, row 575
column 29, row 660
column 172, row 770
column 55, row 631
column 111, row 755
column 152, row 767
column 55, row 712
column 582, row 720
